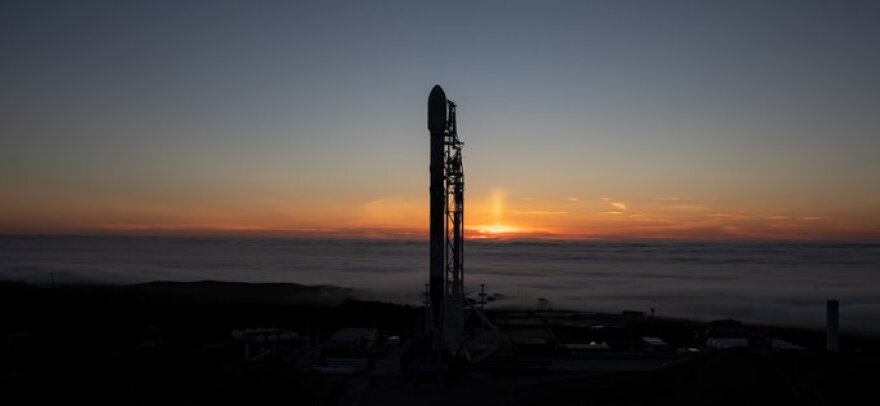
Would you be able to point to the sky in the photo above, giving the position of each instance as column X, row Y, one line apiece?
column 581, row 119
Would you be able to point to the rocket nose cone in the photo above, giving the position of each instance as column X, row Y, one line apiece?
column 437, row 91
column 437, row 110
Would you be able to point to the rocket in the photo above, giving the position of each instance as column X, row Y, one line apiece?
column 437, row 121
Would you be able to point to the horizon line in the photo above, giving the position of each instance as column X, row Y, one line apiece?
column 391, row 234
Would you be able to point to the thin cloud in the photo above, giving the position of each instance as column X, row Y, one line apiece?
column 619, row 205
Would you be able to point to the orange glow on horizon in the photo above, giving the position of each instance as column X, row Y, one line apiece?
column 498, row 215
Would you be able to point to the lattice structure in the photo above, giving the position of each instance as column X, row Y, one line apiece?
column 454, row 234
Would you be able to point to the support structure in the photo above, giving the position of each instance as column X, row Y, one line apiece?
column 444, row 311
column 832, row 333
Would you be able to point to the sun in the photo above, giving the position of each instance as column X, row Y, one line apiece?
column 494, row 231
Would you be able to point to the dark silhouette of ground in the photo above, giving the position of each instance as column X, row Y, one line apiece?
column 169, row 343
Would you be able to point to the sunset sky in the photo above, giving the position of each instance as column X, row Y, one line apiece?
column 581, row 119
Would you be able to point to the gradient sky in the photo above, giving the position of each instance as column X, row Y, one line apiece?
column 602, row 119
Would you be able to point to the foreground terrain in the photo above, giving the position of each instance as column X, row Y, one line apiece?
column 172, row 343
